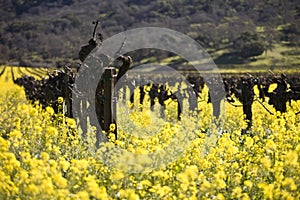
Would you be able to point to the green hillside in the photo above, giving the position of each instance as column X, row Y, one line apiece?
column 235, row 32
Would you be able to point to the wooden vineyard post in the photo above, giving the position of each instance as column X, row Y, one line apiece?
column 180, row 98
column 68, row 95
column 109, row 112
column 84, row 116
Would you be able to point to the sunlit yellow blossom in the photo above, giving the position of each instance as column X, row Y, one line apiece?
column 290, row 183
column 221, row 184
column 82, row 195
column 52, row 131
column 33, row 112
column 146, row 183
column 245, row 197
column 80, row 164
column 267, row 190
column 160, row 190
column 17, row 123
column 205, row 185
column 120, row 143
column 38, row 128
column 4, row 144
column 266, row 162
column 101, row 193
column 271, row 145
column 220, row 196
column 249, row 142
column 164, row 191
column 117, row 176
column 114, row 187
column 112, row 127
column 59, row 181
column 32, row 189
column 71, row 123
column 111, row 137
column 15, row 134
column 248, row 184
column 50, row 110
column 237, row 192
column 60, row 100
column 220, row 174
column 47, row 186
column 291, row 158
column 191, row 172
column 45, row 156
column 64, row 165
column 237, row 177
column 128, row 194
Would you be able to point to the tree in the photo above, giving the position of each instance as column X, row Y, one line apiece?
column 248, row 45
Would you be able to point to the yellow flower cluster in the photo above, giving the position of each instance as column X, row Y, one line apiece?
column 42, row 156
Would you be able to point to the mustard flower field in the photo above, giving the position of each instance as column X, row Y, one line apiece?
column 43, row 156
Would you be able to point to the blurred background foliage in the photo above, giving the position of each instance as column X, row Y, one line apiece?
column 51, row 32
